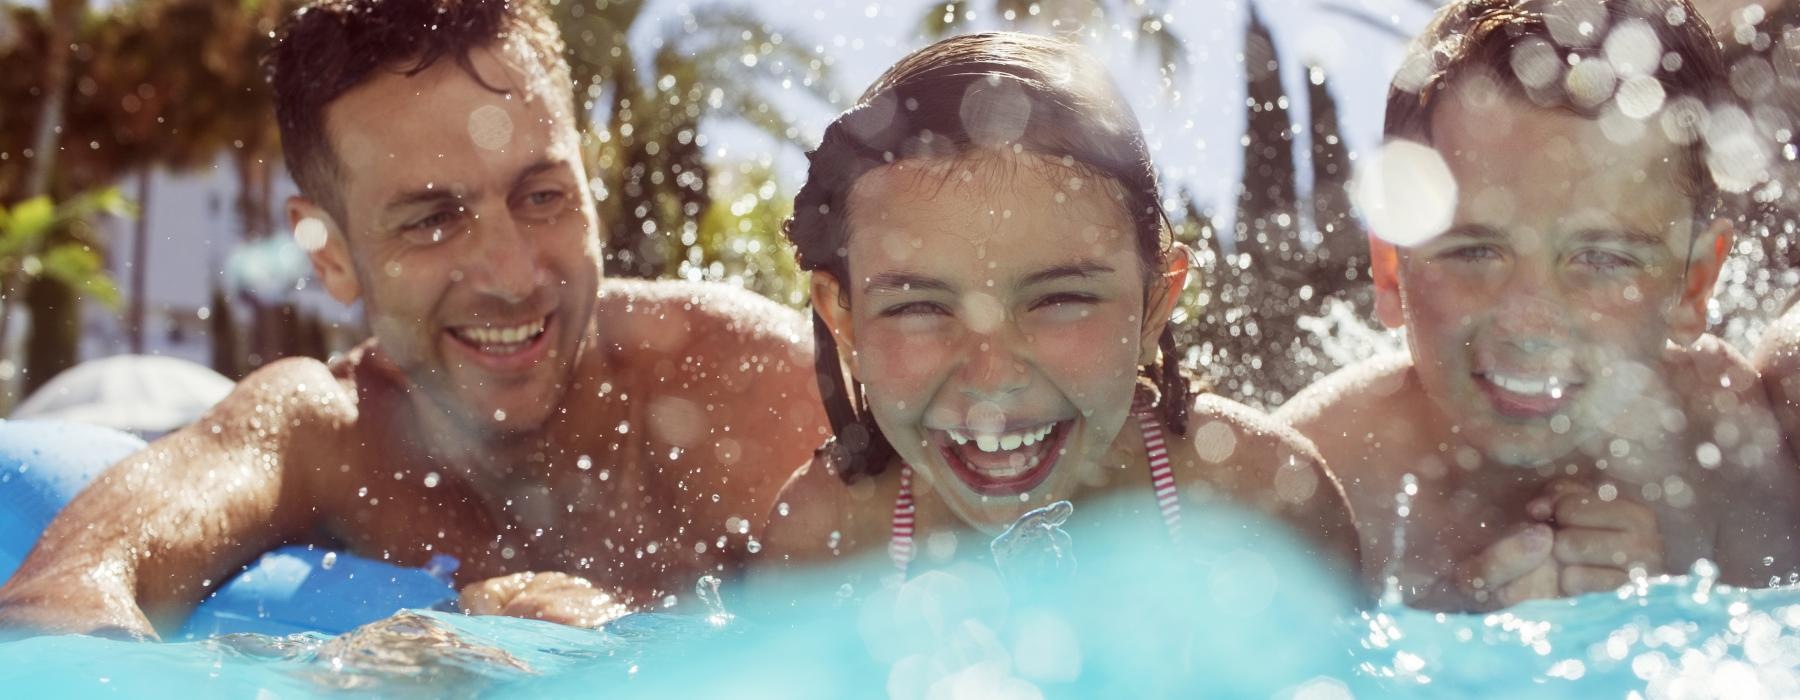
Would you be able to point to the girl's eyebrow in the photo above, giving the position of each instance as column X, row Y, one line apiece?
column 1079, row 269
column 895, row 282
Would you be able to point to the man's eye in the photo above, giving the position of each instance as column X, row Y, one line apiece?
column 544, row 197
column 434, row 220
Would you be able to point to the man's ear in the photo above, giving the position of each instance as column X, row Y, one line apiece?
column 1687, row 318
column 1384, row 270
column 1165, row 293
column 829, row 302
column 323, row 240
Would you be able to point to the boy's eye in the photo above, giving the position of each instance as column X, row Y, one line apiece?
column 1472, row 253
column 1603, row 260
column 916, row 308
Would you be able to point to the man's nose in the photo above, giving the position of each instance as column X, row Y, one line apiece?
column 507, row 265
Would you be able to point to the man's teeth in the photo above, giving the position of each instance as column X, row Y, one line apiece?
column 1534, row 387
column 514, row 335
column 989, row 442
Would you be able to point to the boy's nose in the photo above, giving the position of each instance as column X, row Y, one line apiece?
column 1532, row 322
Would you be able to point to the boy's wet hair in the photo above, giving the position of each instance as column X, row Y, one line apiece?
column 1535, row 50
column 1017, row 92
column 329, row 47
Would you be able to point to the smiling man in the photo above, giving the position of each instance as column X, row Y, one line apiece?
column 1561, row 418
column 582, row 447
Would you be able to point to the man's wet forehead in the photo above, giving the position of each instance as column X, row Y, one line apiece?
column 442, row 127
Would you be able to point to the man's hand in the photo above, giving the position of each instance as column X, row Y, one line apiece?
column 1512, row 570
column 550, row 596
column 1598, row 542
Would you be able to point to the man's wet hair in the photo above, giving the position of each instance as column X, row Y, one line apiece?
column 960, row 97
column 327, row 48
column 1536, row 50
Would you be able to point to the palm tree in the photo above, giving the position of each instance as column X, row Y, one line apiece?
column 1147, row 23
column 648, row 157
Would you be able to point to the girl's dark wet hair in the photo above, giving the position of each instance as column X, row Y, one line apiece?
column 981, row 91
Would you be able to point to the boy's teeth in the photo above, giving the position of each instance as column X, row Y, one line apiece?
column 1523, row 386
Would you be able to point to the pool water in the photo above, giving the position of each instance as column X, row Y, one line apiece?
column 1235, row 618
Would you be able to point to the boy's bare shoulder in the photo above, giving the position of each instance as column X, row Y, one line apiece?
column 1245, row 451
column 1347, row 402
column 1778, row 353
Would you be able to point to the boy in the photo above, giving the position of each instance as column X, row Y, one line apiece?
column 1561, row 417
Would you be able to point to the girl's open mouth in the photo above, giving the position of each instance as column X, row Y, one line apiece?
column 1004, row 464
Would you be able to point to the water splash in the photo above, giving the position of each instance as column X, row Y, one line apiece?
column 707, row 590
column 1035, row 547
column 1390, row 576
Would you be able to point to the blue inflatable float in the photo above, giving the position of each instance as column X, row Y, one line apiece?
column 43, row 464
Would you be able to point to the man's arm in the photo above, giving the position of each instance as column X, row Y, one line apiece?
column 142, row 544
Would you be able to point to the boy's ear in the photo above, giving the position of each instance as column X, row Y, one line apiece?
column 828, row 301
column 1165, row 293
column 331, row 256
column 1384, row 269
column 1687, row 319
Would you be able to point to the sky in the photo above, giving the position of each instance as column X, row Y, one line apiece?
column 1193, row 127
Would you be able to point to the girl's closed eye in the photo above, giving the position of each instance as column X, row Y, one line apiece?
column 916, row 308
column 1065, row 299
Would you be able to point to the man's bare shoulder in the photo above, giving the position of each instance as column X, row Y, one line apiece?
column 299, row 391
column 696, row 316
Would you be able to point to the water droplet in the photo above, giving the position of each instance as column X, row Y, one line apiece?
column 584, row 463
column 329, row 561
column 431, row 480
column 499, row 415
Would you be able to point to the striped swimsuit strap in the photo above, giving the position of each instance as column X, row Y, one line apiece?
column 1162, row 478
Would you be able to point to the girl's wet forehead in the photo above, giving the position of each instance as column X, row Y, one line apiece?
column 1005, row 211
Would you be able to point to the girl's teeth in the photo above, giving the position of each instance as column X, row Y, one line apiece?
column 1011, row 442
column 988, row 443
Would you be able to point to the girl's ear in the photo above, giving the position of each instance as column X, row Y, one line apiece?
column 1165, row 293
column 828, row 301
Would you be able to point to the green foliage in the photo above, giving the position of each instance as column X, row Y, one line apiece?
column 29, row 251
column 739, row 240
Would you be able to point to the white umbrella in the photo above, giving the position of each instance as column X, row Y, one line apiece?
column 144, row 394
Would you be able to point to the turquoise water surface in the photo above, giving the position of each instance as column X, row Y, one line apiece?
column 1232, row 618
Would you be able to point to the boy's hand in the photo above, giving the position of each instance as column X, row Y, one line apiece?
column 550, row 596
column 1598, row 542
column 1512, row 570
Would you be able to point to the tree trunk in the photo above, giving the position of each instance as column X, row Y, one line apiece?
column 55, row 338
column 140, row 258
column 65, row 22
